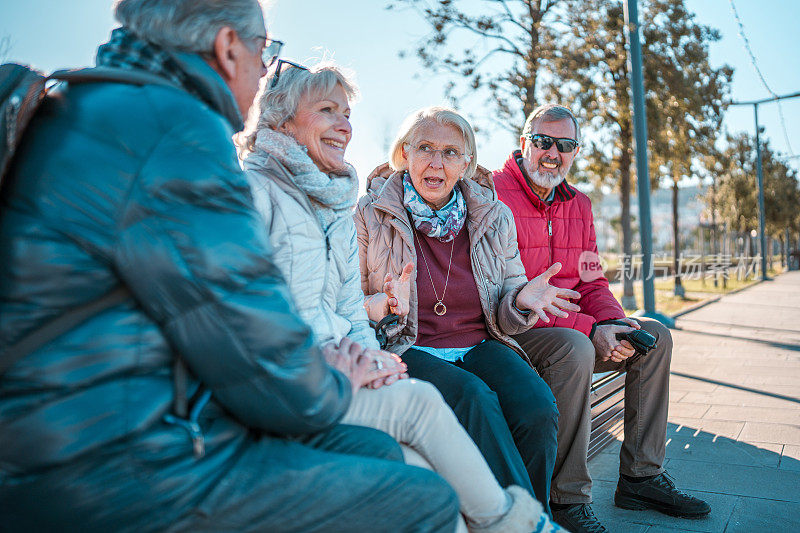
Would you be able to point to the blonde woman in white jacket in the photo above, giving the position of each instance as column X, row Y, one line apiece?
column 293, row 150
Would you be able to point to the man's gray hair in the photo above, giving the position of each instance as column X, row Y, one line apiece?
column 444, row 116
column 550, row 113
column 189, row 25
column 276, row 105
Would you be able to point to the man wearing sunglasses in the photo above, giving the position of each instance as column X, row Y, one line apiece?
column 555, row 224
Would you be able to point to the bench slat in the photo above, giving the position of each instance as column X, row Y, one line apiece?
column 606, row 386
column 608, row 410
column 604, row 438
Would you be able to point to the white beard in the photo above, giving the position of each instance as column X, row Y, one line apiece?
column 547, row 180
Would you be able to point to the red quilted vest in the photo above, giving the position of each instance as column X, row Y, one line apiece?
column 561, row 232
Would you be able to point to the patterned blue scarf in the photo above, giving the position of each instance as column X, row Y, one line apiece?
column 443, row 224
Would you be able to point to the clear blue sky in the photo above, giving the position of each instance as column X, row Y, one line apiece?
column 362, row 35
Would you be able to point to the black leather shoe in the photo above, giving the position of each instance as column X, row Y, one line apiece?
column 579, row 518
column 659, row 493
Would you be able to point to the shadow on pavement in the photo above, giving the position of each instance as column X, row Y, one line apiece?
column 780, row 345
column 738, row 387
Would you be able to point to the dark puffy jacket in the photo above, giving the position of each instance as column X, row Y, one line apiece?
column 115, row 184
column 561, row 231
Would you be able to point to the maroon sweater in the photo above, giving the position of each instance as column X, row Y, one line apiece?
column 463, row 325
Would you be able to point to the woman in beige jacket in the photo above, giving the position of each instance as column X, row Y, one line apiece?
column 467, row 295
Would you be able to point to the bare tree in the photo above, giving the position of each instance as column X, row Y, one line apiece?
column 574, row 52
column 689, row 115
column 500, row 48
column 683, row 94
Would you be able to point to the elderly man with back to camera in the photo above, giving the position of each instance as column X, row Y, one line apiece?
column 466, row 297
column 138, row 185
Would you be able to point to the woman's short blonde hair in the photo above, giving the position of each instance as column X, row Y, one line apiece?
column 444, row 116
column 276, row 105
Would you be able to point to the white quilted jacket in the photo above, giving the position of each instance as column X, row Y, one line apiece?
column 321, row 270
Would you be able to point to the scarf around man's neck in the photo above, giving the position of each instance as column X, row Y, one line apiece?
column 125, row 50
column 443, row 224
column 333, row 196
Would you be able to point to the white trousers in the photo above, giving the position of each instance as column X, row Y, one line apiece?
column 416, row 415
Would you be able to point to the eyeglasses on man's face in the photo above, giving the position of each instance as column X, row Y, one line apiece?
column 450, row 156
column 271, row 51
column 541, row 141
column 280, row 67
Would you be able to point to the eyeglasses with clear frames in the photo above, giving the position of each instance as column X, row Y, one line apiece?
column 271, row 51
column 450, row 156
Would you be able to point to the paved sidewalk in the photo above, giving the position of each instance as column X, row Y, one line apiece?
column 734, row 417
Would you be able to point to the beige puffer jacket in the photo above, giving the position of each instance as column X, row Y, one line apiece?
column 385, row 241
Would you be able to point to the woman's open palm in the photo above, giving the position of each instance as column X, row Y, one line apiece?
column 398, row 291
column 542, row 298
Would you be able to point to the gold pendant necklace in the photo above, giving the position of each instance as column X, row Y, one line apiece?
column 439, row 308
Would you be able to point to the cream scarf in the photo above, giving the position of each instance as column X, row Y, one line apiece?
column 332, row 195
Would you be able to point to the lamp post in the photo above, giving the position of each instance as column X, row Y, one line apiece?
column 760, row 178
column 642, row 173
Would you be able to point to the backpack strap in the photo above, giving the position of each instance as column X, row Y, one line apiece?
column 110, row 75
column 22, row 90
column 60, row 325
column 183, row 416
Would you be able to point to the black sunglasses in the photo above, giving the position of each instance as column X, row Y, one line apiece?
column 544, row 142
column 279, row 68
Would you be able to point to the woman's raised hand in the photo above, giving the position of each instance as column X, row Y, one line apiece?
column 542, row 298
column 398, row 291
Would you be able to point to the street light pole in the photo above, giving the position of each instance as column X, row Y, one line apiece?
column 640, row 136
column 760, row 177
column 642, row 173
column 760, row 174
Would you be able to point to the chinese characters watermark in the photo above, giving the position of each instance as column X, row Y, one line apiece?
column 591, row 266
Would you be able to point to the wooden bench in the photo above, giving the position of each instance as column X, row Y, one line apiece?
column 608, row 409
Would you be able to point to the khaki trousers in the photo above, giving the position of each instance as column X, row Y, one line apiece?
column 565, row 358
